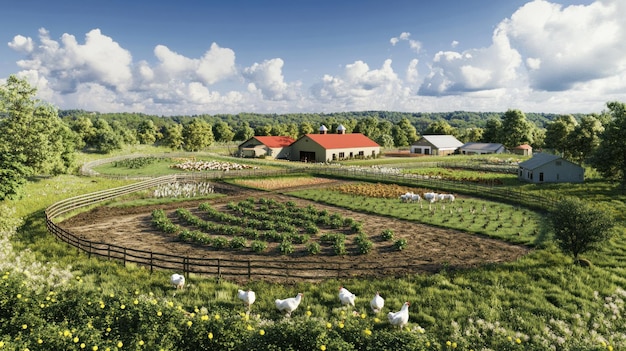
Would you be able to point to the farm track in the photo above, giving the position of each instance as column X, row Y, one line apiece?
column 429, row 249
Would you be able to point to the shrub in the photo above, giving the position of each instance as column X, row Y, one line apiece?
column 285, row 247
column 301, row 239
column 313, row 248
column 237, row 242
column 387, row 234
column 311, row 229
column 219, row 243
column 258, row 246
column 364, row 244
column 400, row 244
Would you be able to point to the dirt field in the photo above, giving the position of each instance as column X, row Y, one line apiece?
column 429, row 248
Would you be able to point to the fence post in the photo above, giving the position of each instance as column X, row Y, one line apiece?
column 219, row 268
column 124, row 259
column 151, row 260
column 89, row 253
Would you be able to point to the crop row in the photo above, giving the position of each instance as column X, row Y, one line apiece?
column 378, row 190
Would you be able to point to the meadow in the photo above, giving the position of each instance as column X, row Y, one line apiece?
column 55, row 298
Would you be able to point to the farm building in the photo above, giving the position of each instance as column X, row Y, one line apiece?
column 524, row 150
column 546, row 168
column 481, row 148
column 326, row 147
column 438, row 145
column 272, row 146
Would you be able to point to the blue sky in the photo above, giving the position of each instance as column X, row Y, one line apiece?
column 284, row 56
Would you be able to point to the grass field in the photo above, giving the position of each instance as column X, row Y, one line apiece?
column 54, row 295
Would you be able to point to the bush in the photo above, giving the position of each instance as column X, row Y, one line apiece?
column 219, row 243
column 285, row 247
column 400, row 244
column 237, row 242
column 387, row 234
column 313, row 248
column 258, row 246
column 364, row 244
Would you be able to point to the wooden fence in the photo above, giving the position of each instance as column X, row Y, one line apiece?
column 266, row 268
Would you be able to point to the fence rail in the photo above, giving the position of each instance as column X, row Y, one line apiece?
column 277, row 269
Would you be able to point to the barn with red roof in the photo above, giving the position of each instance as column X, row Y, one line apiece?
column 327, row 147
column 270, row 146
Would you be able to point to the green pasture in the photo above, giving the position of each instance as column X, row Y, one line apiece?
column 502, row 221
column 541, row 301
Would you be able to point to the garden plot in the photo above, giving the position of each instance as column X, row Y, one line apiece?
column 428, row 248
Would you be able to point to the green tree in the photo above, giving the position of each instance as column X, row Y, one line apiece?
column 86, row 132
column 31, row 131
column 385, row 140
column 147, row 132
column 106, row 139
column 403, row 133
column 222, row 132
column 579, row 227
column 471, row 135
column 493, row 131
column 610, row 156
column 440, row 127
column 584, row 139
column 557, row 132
column 244, row 132
column 128, row 136
column 305, row 128
column 516, row 129
column 197, row 135
column 173, row 137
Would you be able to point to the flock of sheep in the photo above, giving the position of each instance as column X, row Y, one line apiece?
column 430, row 197
column 288, row 305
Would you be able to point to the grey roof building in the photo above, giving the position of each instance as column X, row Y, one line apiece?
column 547, row 168
column 440, row 145
column 473, row 148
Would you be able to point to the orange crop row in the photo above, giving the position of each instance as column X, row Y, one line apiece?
column 278, row 183
column 386, row 191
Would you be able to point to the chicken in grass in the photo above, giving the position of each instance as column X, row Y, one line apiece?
column 401, row 318
column 289, row 305
column 178, row 280
column 377, row 303
column 247, row 296
column 346, row 297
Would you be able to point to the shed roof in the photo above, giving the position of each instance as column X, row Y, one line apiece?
column 443, row 141
column 342, row 141
column 524, row 147
column 275, row 141
column 482, row 146
column 538, row 160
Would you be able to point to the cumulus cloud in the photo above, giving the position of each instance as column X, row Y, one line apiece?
column 405, row 36
column 359, row 87
column 488, row 68
column 267, row 77
column 68, row 63
column 564, row 46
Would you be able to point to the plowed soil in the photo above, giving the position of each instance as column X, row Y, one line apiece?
column 429, row 249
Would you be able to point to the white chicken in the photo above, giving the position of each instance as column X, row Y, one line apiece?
column 400, row 318
column 248, row 297
column 377, row 303
column 346, row 297
column 178, row 280
column 290, row 304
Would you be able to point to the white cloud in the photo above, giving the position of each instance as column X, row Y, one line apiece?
column 454, row 44
column 22, row 44
column 412, row 72
column 404, row 36
column 360, row 87
column 68, row 63
column 267, row 77
column 216, row 64
column 569, row 45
